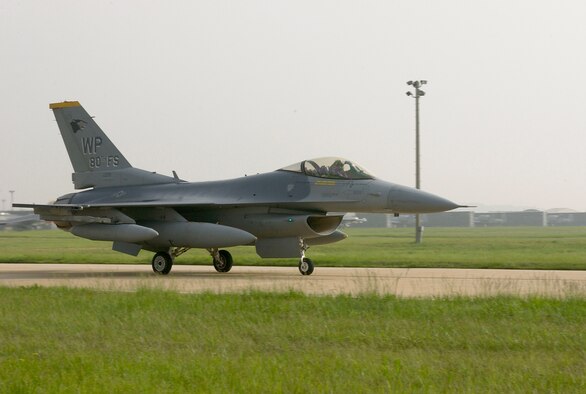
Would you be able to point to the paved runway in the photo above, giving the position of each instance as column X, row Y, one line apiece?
column 402, row 282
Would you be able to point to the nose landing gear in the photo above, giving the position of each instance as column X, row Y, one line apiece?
column 306, row 266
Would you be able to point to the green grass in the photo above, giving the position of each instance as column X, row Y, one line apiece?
column 64, row 340
column 504, row 247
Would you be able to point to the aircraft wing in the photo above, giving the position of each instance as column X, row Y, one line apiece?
column 114, row 213
column 168, row 204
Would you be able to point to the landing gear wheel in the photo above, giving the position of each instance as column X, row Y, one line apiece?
column 162, row 263
column 223, row 262
column 306, row 266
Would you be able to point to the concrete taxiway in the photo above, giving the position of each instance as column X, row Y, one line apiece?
column 402, row 282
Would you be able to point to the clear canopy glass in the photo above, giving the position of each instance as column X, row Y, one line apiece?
column 330, row 168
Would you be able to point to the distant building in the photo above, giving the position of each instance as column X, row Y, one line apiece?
column 531, row 218
column 450, row 219
column 566, row 219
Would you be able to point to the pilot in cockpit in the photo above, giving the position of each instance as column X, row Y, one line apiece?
column 337, row 170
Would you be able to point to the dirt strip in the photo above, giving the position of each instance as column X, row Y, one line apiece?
column 402, row 282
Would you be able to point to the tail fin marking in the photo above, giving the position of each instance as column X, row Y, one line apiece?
column 95, row 159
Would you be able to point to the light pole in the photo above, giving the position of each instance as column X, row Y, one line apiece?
column 11, row 198
column 416, row 94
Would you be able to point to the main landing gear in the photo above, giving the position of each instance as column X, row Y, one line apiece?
column 222, row 260
column 163, row 261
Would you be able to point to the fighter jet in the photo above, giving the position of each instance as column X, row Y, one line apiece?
column 281, row 213
column 20, row 221
column 350, row 218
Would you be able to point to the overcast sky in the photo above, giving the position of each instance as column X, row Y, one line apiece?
column 219, row 89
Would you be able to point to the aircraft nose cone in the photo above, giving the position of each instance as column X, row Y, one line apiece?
column 404, row 199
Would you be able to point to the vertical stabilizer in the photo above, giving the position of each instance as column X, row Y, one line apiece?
column 95, row 159
column 88, row 146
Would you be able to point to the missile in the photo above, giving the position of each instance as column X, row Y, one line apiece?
column 198, row 235
column 132, row 233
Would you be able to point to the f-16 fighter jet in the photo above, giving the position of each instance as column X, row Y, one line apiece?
column 280, row 213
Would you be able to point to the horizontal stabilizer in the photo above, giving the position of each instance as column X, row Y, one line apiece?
column 61, row 212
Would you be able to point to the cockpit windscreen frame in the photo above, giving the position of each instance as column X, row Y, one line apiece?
column 330, row 168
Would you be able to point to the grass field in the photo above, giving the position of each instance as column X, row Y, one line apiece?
column 63, row 340
column 504, row 247
column 66, row 340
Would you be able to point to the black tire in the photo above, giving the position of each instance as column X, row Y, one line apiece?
column 162, row 263
column 224, row 263
column 306, row 266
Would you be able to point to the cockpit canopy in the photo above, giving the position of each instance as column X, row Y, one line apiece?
column 330, row 168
